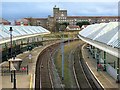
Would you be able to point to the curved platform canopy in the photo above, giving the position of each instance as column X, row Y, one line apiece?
column 20, row 32
column 105, row 36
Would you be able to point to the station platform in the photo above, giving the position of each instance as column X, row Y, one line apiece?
column 27, row 80
column 24, row 81
column 106, row 81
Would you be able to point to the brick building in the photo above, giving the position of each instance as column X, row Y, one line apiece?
column 72, row 28
column 23, row 21
column 4, row 22
column 60, row 16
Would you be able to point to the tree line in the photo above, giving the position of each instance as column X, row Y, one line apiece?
column 62, row 26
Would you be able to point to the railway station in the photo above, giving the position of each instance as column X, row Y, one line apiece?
column 59, row 45
column 21, row 36
column 103, row 40
column 61, row 60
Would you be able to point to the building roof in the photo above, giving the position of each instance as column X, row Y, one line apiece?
column 2, row 20
column 106, row 33
column 19, row 31
column 22, row 20
column 73, row 27
column 84, row 26
column 37, row 18
column 25, row 21
column 93, row 16
column 104, row 36
column 63, row 10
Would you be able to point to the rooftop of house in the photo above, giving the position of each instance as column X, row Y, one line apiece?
column 73, row 26
column 93, row 16
column 3, row 20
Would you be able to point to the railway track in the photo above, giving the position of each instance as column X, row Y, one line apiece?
column 84, row 77
column 42, row 79
column 81, row 77
column 44, row 76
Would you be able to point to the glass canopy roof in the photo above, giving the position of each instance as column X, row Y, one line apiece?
column 107, row 33
column 20, row 31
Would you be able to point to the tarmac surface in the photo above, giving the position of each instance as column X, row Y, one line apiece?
column 103, row 77
column 27, row 81
column 24, row 80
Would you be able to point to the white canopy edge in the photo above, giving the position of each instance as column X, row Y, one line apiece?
column 111, row 50
column 22, row 37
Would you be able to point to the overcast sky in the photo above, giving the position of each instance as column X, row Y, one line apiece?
column 16, row 10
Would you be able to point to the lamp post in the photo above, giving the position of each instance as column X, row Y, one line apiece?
column 11, row 51
column 11, row 41
column 15, row 65
column 68, row 39
column 12, row 62
column 62, row 48
column 62, row 52
column 14, row 84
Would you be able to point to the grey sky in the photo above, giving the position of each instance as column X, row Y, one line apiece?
column 60, row 0
column 16, row 10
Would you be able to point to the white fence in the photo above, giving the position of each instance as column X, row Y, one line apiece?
column 111, row 71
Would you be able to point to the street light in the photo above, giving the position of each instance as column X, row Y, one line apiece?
column 68, row 38
column 62, row 52
column 11, row 40
column 15, row 65
column 11, row 51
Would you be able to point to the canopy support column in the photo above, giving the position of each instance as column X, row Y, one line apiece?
column 118, row 71
column 93, row 51
column 104, row 56
column 98, row 57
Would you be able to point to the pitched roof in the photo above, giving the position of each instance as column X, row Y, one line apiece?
column 73, row 26
column 37, row 18
column 22, row 20
column 93, row 16
column 3, row 20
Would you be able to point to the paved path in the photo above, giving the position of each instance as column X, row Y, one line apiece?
column 24, row 80
column 27, row 81
column 105, row 79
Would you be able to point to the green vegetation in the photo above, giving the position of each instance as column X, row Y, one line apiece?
column 68, row 79
column 82, row 23
column 61, row 26
column 65, row 23
column 59, row 35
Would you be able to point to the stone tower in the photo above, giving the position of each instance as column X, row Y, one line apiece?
column 55, row 12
